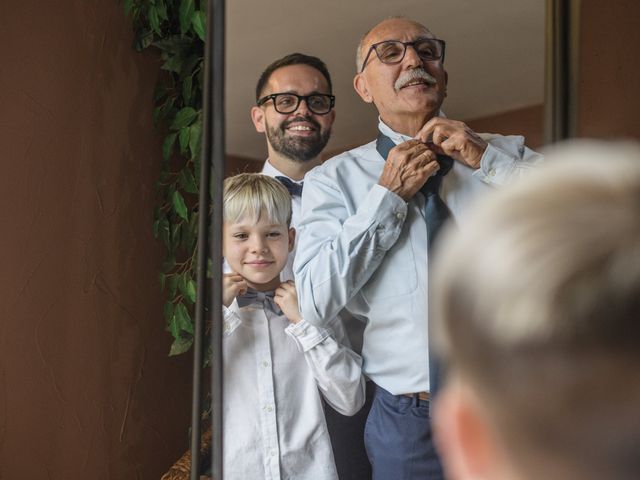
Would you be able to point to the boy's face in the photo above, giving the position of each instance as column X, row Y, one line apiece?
column 258, row 251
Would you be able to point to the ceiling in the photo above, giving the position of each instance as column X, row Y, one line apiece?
column 495, row 56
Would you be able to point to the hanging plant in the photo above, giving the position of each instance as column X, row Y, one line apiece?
column 176, row 29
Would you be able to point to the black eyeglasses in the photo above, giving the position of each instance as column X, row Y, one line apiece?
column 318, row 103
column 393, row 51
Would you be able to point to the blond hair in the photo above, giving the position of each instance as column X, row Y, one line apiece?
column 538, row 309
column 249, row 196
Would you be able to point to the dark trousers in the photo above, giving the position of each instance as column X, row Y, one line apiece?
column 347, row 440
column 398, row 439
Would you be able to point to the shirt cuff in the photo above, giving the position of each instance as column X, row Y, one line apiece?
column 496, row 166
column 388, row 212
column 306, row 335
column 230, row 321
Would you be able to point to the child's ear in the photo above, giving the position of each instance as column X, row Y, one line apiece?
column 462, row 434
column 292, row 238
column 257, row 117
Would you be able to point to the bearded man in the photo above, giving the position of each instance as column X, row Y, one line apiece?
column 294, row 109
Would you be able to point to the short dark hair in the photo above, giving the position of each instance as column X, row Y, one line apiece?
column 292, row 59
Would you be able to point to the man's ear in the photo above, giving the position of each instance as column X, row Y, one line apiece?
column 360, row 85
column 446, row 82
column 292, row 239
column 257, row 117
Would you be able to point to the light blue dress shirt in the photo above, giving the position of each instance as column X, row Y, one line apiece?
column 363, row 249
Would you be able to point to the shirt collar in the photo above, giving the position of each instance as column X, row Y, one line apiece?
column 396, row 137
column 270, row 170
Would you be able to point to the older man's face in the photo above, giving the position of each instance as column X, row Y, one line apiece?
column 379, row 82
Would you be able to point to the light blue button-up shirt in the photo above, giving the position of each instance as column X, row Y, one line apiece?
column 363, row 249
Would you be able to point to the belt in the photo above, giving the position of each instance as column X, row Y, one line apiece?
column 424, row 396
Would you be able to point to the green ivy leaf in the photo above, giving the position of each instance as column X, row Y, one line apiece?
column 167, row 145
column 173, row 63
column 184, row 139
column 195, row 138
column 179, row 206
column 127, row 7
column 162, row 10
column 187, row 181
column 174, row 325
column 184, row 319
column 173, row 285
column 168, row 312
column 180, row 345
column 184, row 118
column 187, row 89
column 191, row 291
column 199, row 22
column 154, row 21
column 187, row 7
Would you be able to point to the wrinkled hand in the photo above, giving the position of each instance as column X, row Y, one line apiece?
column 286, row 297
column 232, row 285
column 454, row 139
column 407, row 168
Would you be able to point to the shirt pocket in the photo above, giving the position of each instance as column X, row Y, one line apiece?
column 396, row 275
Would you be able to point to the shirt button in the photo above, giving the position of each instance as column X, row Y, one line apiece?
column 399, row 215
column 273, row 453
column 265, row 364
column 269, row 408
column 492, row 172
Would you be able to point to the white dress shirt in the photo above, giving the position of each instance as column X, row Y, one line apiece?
column 296, row 205
column 274, row 425
column 361, row 247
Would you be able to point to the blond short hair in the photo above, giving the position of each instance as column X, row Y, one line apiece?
column 538, row 309
column 249, row 196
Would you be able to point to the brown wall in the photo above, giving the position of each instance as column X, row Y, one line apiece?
column 86, row 387
column 609, row 97
column 526, row 121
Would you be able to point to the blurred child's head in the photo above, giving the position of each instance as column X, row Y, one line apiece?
column 256, row 236
column 538, row 319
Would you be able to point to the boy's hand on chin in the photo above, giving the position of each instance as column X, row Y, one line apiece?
column 232, row 285
column 286, row 297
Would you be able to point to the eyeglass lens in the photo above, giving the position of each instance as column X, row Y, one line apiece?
column 288, row 103
column 393, row 51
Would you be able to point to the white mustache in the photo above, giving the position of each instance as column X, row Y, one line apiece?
column 412, row 75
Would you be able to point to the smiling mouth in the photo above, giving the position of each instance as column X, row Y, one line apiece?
column 259, row 264
column 300, row 128
column 416, row 83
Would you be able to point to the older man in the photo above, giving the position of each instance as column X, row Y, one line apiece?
column 294, row 109
column 368, row 218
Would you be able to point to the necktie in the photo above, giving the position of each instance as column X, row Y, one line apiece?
column 436, row 214
column 263, row 299
column 295, row 189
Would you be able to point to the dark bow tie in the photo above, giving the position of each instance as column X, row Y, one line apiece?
column 254, row 297
column 295, row 189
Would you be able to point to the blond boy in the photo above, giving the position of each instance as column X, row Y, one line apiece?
column 277, row 367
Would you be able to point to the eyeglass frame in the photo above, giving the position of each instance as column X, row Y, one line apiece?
column 274, row 96
column 405, row 44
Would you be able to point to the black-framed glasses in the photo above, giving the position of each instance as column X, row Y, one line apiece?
column 393, row 51
column 318, row 103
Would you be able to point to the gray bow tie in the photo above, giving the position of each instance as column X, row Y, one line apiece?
column 263, row 299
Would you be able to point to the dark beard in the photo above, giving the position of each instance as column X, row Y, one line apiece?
column 298, row 149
